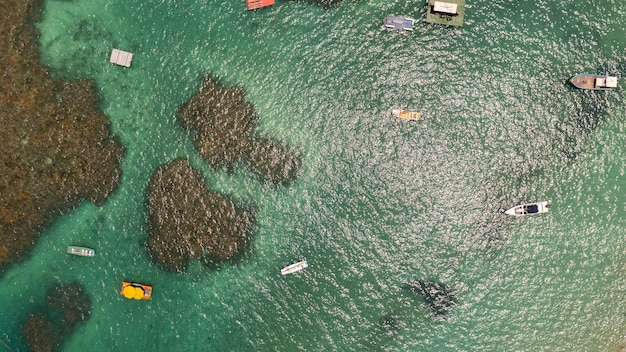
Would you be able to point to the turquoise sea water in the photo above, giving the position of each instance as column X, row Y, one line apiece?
column 381, row 202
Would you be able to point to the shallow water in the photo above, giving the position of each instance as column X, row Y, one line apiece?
column 381, row 202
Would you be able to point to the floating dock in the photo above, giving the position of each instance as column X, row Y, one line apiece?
column 122, row 58
column 257, row 4
column 446, row 12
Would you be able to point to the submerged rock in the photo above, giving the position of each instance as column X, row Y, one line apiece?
column 71, row 300
column 39, row 333
column 186, row 220
column 56, row 148
column 224, row 123
column 438, row 296
column 45, row 328
column 387, row 327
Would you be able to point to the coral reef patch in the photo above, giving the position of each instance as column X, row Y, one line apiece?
column 186, row 220
column 225, row 123
column 67, row 305
column 56, row 148
column 440, row 298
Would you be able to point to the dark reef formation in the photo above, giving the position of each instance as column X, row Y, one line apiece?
column 387, row 327
column 186, row 220
column 56, row 148
column 67, row 305
column 438, row 296
column 224, row 123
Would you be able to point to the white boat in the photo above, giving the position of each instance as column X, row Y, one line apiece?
column 295, row 267
column 81, row 251
column 399, row 23
column 406, row 114
column 529, row 209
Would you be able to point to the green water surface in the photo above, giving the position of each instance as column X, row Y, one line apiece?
column 380, row 202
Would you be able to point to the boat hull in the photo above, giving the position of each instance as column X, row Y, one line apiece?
column 399, row 23
column 257, row 4
column 132, row 290
column 529, row 209
column 295, row 267
column 81, row 251
column 593, row 82
column 406, row 114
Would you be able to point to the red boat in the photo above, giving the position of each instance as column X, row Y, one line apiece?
column 257, row 4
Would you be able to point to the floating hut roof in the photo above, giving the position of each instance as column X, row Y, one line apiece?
column 448, row 12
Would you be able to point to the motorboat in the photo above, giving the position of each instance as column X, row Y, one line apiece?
column 529, row 209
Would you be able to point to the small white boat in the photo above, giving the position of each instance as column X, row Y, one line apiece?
column 406, row 114
column 529, row 209
column 295, row 267
column 81, row 251
column 399, row 23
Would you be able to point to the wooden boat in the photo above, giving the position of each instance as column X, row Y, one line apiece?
column 81, row 251
column 406, row 114
column 399, row 23
column 295, row 267
column 529, row 209
column 132, row 290
column 594, row 82
column 257, row 4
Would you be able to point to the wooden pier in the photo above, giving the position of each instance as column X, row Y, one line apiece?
column 446, row 12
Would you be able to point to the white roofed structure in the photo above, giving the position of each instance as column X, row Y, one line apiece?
column 445, row 7
column 611, row 82
column 121, row 58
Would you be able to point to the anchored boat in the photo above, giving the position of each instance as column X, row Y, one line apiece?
column 399, row 23
column 594, row 82
column 137, row 291
column 406, row 114
column 257, row 4
column 529, row 209
column 295, row 267
column 81, row 251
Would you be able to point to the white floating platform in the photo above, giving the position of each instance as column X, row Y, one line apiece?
column 121, row 58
